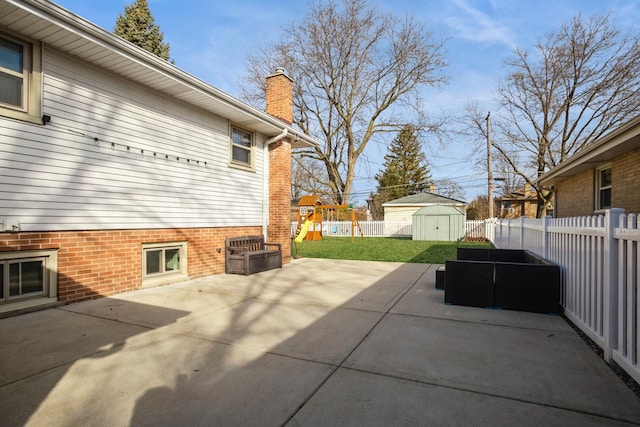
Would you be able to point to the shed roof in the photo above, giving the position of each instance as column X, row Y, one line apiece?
column 438, row 210
column 424, row 199
column 69, row 33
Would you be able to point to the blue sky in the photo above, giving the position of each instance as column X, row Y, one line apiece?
column 211, row 40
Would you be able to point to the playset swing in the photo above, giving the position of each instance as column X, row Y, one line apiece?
column 310, row 214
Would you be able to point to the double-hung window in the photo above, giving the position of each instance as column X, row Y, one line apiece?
column 242, row 147
column 20, row 79
column 603, row 188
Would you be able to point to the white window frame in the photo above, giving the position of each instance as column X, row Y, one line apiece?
column 50, row 276
column 599, row 188
column 31, row 110
column 250, row 165
column 164, row 277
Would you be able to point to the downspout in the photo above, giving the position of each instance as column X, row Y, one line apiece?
column 267, row 176
column 277, row 138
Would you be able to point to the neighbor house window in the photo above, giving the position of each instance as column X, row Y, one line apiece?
column 20, row 79
column 27, row 274
column 603, row 188
column 162, row 262
column 241, row 147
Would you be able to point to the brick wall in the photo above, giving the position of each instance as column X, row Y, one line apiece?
column 625, row 179
column 279, row 98
column 94, row 264
column 574, row 196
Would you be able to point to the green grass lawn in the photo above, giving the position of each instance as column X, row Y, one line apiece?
column 382, row 249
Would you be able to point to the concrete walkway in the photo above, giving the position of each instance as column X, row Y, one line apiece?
column 319, row 342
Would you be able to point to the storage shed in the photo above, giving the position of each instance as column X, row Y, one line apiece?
column 440, row 223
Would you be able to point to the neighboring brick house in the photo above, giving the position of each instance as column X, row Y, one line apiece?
column 119, row 170
column 604, row 174
column 523, row 202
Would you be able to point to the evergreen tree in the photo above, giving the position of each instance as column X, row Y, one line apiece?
column 405, row 171
column 137, row 26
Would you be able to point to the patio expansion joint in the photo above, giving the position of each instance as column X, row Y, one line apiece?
column 494, row 395
column 500, row 325
column 358, row 344
column 108, row 319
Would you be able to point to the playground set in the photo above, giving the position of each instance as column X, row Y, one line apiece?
column 310, row 214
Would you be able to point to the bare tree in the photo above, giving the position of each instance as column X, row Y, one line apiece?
column 478, row 208
column 504, row 175
column 448, row 188
column 355, row 70
column 306, row 177
column 579, row 83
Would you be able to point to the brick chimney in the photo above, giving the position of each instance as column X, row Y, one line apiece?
column 280, row 96
column 280, row 105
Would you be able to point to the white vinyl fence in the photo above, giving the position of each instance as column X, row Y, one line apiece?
column 477, row 228
column 369, row 228
column 599, row 257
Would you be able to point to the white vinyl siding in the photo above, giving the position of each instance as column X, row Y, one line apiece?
column 400, row 213
column 156, row 163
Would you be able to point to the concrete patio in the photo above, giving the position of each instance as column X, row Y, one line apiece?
column 319, row 342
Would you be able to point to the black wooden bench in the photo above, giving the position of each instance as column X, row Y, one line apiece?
column 250, row 254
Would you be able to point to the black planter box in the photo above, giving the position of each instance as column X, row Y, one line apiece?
column 508, row 279
column 527, row 287
column 440, row 271
column 469, row 283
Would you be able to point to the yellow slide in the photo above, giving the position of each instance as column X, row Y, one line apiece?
column 303, row 231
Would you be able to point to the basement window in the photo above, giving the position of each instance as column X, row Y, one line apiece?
column 28, row 274
column 164, row 263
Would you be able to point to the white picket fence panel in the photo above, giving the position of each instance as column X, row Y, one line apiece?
column 369, row 228
column 599, row 258
column 626, row 352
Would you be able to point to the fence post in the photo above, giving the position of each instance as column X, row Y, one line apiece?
column 545, row 237
column 522, row 218
column 498, row 236
column 494, row 233
column 610, row 272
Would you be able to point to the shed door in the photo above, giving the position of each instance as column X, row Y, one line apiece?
column 435, row 227
column 441, row 227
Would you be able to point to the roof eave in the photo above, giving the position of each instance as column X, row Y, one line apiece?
column 197, row 91
column 407, row 205
column 621, row 140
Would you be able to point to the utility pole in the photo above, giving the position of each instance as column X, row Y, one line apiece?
column 489, row 166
